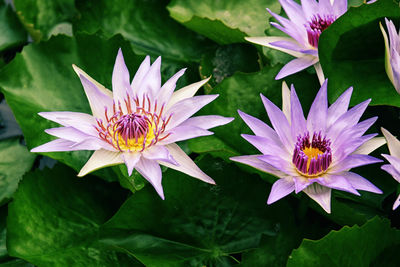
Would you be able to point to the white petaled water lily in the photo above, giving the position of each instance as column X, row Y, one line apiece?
column 392, row 53
column 137, row 123
column 305, row 24
column 313, row 155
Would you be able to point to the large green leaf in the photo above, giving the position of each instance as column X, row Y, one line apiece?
column 198, row 224
column 145, row 24
column 15, row 160
column 41, row 78
column 224, row 21
column 350, row 246
column 43, row 18
column 3, row 248
column 54, row 219
column 12, row 32
column 351, row 52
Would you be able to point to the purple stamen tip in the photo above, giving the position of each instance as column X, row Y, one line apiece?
column 316, row 26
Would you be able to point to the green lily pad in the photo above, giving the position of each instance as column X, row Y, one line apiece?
column 41, row 78
column 12, row 32
column 55, row 217
column 44, row 18
column 15, row 161
column 350, row 246
column 352, row 50
column 197, row 224
column 224, row 21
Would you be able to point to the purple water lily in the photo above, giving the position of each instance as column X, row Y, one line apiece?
column 137, row 123
column 394, row 159
column 392, row 53
column 315, row 154
column 305, row 24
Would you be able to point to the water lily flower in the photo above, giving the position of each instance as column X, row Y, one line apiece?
column 305, row 24
column 137, row 123
column 394, row 159
column 312, row 155
column 392, row 53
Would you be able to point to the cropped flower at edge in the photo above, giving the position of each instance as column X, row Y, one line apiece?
column 313, row 155
column 392, row 53
column 137, row 123
column 394, row 159
column 305, row 24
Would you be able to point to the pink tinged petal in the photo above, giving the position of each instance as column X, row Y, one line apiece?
column 266, row 41
column 185, row 92
column 299, row 124
column 286, row 101
column 310, row 8
column 207, row 122
column 280, row 189
column 253, row 161
column 336, row 181
column 316, row 119
column 280, row 123
column 339, row 7
column 349, row 146
column 186, row 164
column 394, row 161
column 296, row 65
column 302, row 183
column 131, row 159
column 340, row 107
column 68, row 133
column 393, row 143
column 348, row 119
column 259, row 127
column 293, row 11
column 159, row 153
column 325, row 7
column 297, row 32
column 181, row 133
column 353, row 161
column 98, row 101
column 321, row 195
column 287, row 45
column 120, row 79
column 360, row 183
column 370, row 146
column 57, row 145
column 265, row 146
column 80, row 121
column 392, row 171
column 92, row 143
column 168, row 88
column 151, row 171
column 100, row 159
column 97, row 84
column 396, row 203
column 151, row 82
column 184, row 109
column 280, row 164
column 141, row 72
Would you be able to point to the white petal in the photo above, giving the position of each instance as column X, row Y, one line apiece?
column 266, row 41
column 321, row 195
column 120, row 79
column 185, row 92
column 131, row 159
column 100, row 159
column 370, row 146
column 207, row 122
column 286, row 101
column 393, row 143
column 151, row 82
column 140, row 73
column 159, row 153
column 396, row 203
column 168, row 88
column 98, row 85
column 186, row 164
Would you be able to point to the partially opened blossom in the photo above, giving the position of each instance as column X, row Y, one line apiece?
column 392, row 53
column 312, row 155
column 137, row 123
column 305, row 24
column 394, row 159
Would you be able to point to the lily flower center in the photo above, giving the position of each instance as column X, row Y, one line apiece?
column 134, row 127
column 316, row 26
column 312, row 158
